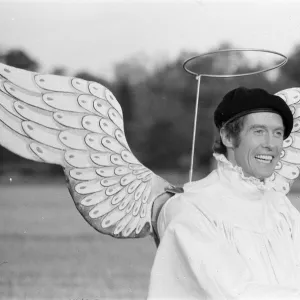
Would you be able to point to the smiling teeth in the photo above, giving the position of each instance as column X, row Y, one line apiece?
column 265, row 158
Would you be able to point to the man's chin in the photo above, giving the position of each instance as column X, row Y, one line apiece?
column 262, row 175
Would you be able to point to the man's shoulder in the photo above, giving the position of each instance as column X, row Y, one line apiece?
column 188, row 205
column 206, row 183
column 194, row 193
column 282, row 203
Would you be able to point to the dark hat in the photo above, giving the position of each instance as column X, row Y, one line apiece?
column 242, row 101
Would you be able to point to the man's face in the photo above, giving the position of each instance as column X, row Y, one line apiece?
column 260, row 144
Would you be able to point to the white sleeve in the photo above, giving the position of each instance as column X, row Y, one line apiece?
column 292, row 216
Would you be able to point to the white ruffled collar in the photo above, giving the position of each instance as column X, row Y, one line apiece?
column 236, row 199
column 226, row 168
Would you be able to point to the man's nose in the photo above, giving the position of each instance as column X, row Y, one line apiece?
column 270, row 141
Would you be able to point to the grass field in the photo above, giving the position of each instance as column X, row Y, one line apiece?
column 47, row 251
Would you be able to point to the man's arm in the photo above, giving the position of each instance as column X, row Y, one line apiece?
column 157, row 207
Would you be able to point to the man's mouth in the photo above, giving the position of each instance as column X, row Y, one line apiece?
column 266, row 159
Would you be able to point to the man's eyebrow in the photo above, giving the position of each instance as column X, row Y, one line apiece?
column 279, row 128
column 255, row 126
column 265, row 127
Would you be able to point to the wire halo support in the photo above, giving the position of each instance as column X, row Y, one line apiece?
column 199, row 75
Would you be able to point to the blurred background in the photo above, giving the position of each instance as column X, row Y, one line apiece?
column 136, row 49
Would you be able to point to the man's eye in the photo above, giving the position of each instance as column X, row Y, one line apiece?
column 279, row 133
column 259, row 131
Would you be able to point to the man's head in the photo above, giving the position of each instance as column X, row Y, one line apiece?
column 252, row 125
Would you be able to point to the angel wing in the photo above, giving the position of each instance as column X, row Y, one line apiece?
column 287, row 169
column 79, row 125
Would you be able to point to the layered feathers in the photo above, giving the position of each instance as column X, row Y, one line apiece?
column 79, row 125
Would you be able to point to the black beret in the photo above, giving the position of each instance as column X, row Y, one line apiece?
column 242, row 101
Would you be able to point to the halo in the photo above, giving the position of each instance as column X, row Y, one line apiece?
column 198, row 77
column 283, row 62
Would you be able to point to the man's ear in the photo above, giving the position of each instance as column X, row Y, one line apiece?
column 226, row 139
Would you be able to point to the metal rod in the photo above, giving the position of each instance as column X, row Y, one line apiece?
column 195, row 128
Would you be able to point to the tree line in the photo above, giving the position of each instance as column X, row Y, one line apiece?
column 158, row 104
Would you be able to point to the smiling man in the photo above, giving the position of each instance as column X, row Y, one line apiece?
column 252, row 126
column 259, row 150
column 232, row 235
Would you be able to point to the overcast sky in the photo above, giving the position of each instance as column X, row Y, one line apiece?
column 94, row 35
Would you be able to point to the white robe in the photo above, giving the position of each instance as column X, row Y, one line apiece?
column 227, row 237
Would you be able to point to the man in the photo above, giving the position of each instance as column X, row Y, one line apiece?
column 231, row 235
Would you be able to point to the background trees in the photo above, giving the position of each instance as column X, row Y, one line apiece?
column 158, row 104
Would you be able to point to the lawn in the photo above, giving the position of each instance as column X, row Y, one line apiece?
column 48, row 251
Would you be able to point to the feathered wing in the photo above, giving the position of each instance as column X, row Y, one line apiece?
column 79, row 125
column 287, row 170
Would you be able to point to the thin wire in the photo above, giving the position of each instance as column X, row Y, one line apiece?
column 283, row 62
column 195, row 128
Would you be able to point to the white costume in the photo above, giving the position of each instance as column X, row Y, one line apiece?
column 227, row 237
